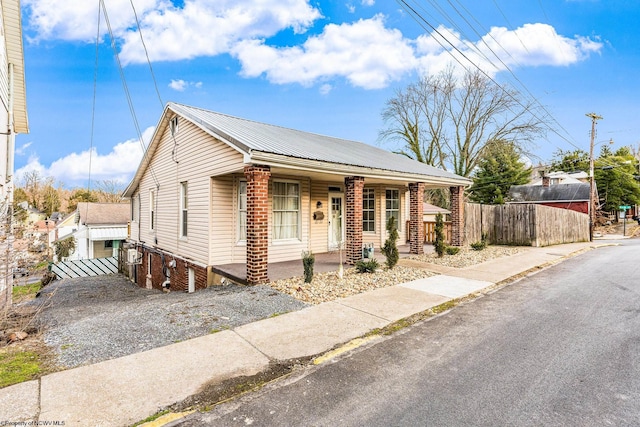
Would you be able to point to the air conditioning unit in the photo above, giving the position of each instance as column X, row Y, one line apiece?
column 132, row 256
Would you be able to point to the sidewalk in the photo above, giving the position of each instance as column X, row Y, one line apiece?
column 123, row 391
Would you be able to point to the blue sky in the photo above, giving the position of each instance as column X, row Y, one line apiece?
column 326, row 67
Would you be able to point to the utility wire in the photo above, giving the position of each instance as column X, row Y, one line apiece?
column 127, row 93
column 420, row 20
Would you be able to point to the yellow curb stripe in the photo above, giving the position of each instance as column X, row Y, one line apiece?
column 166, row 419
column 353, row 344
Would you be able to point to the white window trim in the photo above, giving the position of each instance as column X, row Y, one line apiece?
column 297, row 239
column 184, row 209
column 374, row 211
column 153, row 219
column 386, row 218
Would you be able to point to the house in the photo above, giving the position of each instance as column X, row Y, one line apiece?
column 213, row 189
column 13, row 120
column 575, row 196
column 99, row 229
column 560, row 177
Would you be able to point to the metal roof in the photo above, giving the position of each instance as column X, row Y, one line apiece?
column 576, row 192
column 249, row 136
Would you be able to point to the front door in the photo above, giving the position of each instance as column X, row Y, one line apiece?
column 336, row 221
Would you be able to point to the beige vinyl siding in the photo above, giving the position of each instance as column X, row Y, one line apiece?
column 193, row 158
column 319, row 229
column 4, row 67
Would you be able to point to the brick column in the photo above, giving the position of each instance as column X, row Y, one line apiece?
column 353, row 210
column 416, row 220
column 257, row 223
column 457, row 216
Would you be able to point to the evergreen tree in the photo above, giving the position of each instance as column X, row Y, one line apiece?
column 390, row 248
column 499, row 169
column 439, row 243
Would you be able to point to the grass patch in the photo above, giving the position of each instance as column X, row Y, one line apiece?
column 26, row 292
column 152, row 417
column 18, row 366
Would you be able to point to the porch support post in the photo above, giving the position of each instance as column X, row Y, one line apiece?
column 416, row 221
column 353, row 189
column 257, row 223
column 457, row 216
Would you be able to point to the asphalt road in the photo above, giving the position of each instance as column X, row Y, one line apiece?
column 561, row 348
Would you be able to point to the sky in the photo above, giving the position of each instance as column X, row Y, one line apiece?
column 326, row 67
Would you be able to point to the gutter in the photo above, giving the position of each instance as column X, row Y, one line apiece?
column 277, row 160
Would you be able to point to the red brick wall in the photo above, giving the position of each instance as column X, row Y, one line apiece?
column 257, row 223
column 178, row 275
column 457, row 216
column 416, row 221
column 353, row 211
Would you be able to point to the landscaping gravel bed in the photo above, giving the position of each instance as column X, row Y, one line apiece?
column 329, row 286
column 93, row 319
column 468, row 257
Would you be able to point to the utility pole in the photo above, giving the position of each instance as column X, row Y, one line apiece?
column 592, row 188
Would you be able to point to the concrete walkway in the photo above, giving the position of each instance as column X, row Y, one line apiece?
column 123, row 391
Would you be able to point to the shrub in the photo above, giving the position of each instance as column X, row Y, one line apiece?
column 308, row 259
column 390, row 249
column 478, row 246
column 439, row 242
column 367, row 266
column 65, row 247
column 452, row 250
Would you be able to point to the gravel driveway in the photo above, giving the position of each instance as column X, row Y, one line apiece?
column 93, row 319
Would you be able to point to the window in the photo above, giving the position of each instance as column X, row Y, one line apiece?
column 368, row 210
column 108, row 244
column 152, row 209
column 286, row 210
column 184, row 205
column 242, row 210
column 393, row 206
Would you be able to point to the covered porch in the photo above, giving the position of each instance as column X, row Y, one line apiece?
column 324, row 262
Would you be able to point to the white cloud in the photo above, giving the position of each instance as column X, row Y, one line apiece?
column 22, row 150
column 325, row 89
column 198, row 28
column 529, row 45
column 366, row 53
column 73, row 169
column 181, row 85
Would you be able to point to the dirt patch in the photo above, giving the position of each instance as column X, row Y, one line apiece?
column 217, row 392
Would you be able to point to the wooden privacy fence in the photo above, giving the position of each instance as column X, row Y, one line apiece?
column 85, row 268
column 430, row 231
column 524, row 224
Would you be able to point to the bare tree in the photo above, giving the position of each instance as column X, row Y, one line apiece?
column 447, row 121
column 110, row 191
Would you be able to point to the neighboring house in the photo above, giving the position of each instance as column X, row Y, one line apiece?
column 99, row 229
column 430, row 211
column 560, row 177
column 63, row 228
column 13, row 120
column 32, row 216
column 214, row 189
column 565, row 196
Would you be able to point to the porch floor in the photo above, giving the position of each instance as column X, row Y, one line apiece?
column 328, row 261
